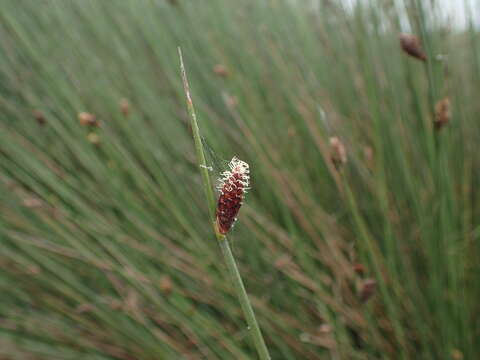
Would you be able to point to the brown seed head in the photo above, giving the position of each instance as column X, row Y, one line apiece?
column 411, row 45
column 221, row 70
column 84, row 308
column 283, row 262
column 359, row 268
column 32, row 202
column 166, row 285
column 232, row 102
column 38, row 115
column 87, row 119
column 125, row 107
column 34, row 269
column 457, row 354
column 367, row 289
column 324, row 329
column 369, row 155
column 233, row 186
column 93, row 138
column 442, row 113
column 338, row 154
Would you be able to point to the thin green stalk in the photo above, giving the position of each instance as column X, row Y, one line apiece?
column 223, row 241
column 244, row 301
column 207, row 185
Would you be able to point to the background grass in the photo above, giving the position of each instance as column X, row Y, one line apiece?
column 106, row 249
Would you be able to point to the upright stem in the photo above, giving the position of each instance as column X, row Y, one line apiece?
column 244, row 301
column 222, row 240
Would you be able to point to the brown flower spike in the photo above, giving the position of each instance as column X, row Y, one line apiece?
column 411, row 45
column 221, row 70
column 367, row 290
column 442, row 113
column 233, row 186
column 125, row 107
column 87, row 119
column 338, row 154
column 38, row 115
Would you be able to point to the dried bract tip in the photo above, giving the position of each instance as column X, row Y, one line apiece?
column 338, row 154
column 125, row 107
column 232, row 186
column 87, row 119
column 220, row 70
column 411, row 45
column 38, row 115
column 442, row 113
column 367, row 289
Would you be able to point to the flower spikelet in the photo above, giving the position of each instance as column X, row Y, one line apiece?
column 338, row 153
column 411, row 45
column 442, row 113
column 233, row 185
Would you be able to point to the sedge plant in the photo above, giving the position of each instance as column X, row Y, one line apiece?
column 101, row 240
column 220, row 232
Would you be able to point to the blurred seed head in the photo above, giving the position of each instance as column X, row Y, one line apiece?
column 369, row 155
column 93, row 138
column 115, row 304
column 324, row 328
column 283, row 262
column 291, row 131
column 84, row 308
column 87, row 119
column 338, row 153
column 34, row 269
column 39, row 117
column 442, row 113
column 125, row 107
column 411, row 45
column 32, row 203
column 221, row 70
column 367, row 289
column 359, row 269
column 232, row 101
column 457, row 354
column 165, row 284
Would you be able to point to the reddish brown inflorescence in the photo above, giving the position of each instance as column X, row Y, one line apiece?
column 233, row 186
column 338, row 153
column 411, row 45
column 442, row 113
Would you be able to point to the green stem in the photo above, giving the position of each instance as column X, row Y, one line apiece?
column 222, row 240
column 244, row 301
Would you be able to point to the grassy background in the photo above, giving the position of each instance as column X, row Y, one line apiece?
column 105, row 247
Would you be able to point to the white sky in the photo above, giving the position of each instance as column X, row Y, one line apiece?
column 456, row 10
